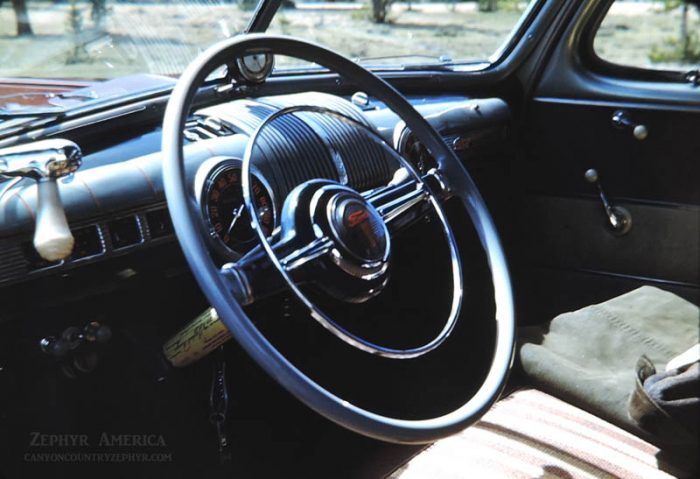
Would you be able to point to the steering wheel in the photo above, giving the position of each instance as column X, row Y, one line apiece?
column 331, row 230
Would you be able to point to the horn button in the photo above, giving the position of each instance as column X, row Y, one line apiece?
column 357, row 267
column 358, row 229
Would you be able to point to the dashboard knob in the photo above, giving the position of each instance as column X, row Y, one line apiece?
column 73, row 337
column 96, row 332
column 104, row 334
column 591, row 175
column 360, row 99
column 54, row 347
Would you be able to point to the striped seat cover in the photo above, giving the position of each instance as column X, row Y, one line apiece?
column 531, row 434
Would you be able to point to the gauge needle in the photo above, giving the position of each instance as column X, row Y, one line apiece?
column 236, row 214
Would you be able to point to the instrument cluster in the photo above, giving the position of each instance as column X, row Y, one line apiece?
column 219, row 185
column 414, row 151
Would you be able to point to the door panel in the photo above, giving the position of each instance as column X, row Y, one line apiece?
column 572, row 234
column 565, row 138
column 566, row 256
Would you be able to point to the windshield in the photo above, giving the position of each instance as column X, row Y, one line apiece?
column 101, row 39
column 408, row 33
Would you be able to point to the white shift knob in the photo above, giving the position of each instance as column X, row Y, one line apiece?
column 44, row 161
column 53, row 239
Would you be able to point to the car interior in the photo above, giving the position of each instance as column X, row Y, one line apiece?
column 444, row 270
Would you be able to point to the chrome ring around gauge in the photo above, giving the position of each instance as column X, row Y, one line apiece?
column 254, row 68
column 219, row 189
column 406, row 143
column 339, row 195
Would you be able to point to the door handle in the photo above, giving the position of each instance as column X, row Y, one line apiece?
column 622, row 120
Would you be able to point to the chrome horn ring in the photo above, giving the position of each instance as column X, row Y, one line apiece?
column 319, row 315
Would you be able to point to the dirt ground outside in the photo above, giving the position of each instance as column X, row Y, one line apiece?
column 163, row 38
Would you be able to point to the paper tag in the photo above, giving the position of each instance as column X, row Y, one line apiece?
column 200, row 337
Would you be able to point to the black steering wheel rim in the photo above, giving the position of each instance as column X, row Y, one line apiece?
column 187, row 223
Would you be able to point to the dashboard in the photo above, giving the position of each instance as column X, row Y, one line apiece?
column 115, row 203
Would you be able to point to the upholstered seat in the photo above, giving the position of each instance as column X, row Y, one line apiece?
column 530, row 434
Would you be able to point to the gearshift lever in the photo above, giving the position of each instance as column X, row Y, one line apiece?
column 46, row 161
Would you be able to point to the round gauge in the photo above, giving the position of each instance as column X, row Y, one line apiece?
column 417, row 154
column 256, row 67
column 225, row 210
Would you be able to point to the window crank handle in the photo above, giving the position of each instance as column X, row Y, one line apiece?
column 619, row 219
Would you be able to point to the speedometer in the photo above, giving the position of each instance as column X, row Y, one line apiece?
column 227, row 217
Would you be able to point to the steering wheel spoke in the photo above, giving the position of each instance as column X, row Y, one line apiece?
column 399, row 200
column 298, row 258
column 254, row 276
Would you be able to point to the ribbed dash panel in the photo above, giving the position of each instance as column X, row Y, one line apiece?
column 298, row 147
column 289, row 153
column 13, row 263
column 365, row 160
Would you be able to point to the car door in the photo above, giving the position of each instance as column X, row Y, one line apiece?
column 637, row 124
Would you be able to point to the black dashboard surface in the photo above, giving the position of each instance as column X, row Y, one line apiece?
column 118, row 193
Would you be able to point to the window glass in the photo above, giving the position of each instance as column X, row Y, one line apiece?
column 650, row 34
column 91, row 39
column 381, row 32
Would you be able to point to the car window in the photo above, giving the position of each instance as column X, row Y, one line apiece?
column 659, row 35
column 383, row 32
column 94, row 39
column 91, row 39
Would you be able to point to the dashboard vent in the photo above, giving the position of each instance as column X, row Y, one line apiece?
column 159, row 223
column 88, row 242
column 125, row 232
column 201, row 127
column 93, row 242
